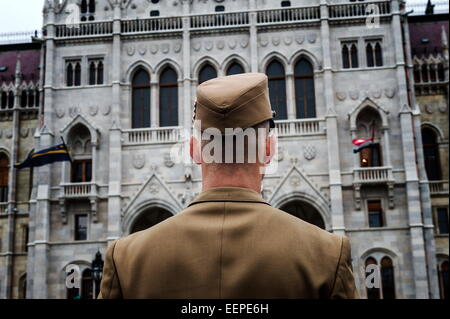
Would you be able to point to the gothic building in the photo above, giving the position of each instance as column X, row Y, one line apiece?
column 120, row 82
column 20, row 98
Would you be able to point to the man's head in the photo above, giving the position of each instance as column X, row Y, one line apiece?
column 232, row 123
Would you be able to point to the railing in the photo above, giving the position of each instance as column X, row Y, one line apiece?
column 151, row 25
column 219, row 20
column 438, row 187
column 355, row 10
column 19, row 37
column 373, row 175
column 84, row 29
column 152, row 136
column 302, row 127
column 77, row 190
column 288, row 15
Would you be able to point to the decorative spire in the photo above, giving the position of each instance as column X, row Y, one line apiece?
column 430, row 8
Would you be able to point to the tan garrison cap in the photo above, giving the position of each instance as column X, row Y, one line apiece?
column 235, row 101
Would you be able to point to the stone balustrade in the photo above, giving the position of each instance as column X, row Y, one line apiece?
column 302, row 127
column 161, row 135
column 438, row 187
column 373, row 175
column 79, row 190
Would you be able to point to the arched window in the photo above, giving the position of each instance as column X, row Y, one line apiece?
column 92, row 73
column 77, row 74
column 31, row 98
column 141, row 99
column 425, row 76
column 83, row 6
column 431, row 154
column 87, row 285
column 372, row 292
column 354, row 55
column 433, row 72
column 387, row 278
column 10, row 99
column 69, row 76
column 24, row 99
column 4, row 177
column 235, row 68
column 23, row 286
column 304, row 89
column 441, row 72
column 168, row 98
column 4, row 101
column 206, row 73
column 100, row 72
column 369, row 54
column 149, row 218
column 444, row 280
column 378, row 54
column 349, row 55
column 277, row 89
column 304, row 211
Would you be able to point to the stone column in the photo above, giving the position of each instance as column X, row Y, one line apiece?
column 154, row 118
column 253, row 42
column 290, row 98
column 187, row 107
column 419, row 260
column 334, row 164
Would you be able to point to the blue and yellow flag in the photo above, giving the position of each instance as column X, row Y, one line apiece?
column 50, row 155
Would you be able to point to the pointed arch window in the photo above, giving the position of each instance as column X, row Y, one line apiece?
column 168, row 98
column 350, row 55
column 141, row 99
column 277, row 89
column 24, row 99
column 374, row 53
column 4, row 100
column 431, row 154
column 304, row 89
column 87, row 10
column 444, row 280
column 96, row 72
column 31, row 98
column 207, row 72
column 235, row 68
column 441, row 72
column 73, row 73
column 10, row 99
column 425, row 74
column 4, row 177
column 387, row 278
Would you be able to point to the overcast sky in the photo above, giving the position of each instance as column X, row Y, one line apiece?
column 26, row 15
column 20, row 15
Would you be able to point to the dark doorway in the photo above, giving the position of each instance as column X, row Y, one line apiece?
column 305, row 212
column 150, row 218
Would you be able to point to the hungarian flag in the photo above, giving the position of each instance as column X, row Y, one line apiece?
column 361, row 143
column 58, row 153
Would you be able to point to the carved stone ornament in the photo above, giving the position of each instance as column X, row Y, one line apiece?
column 154, row 48
column 93, row 110
column 142, row 49
column 280, row 154
column 138, row 161
column 8, row 134
column 429, row 109
column 154, row 188
column 106, row 110
column 197, row 45
column 24, row 132
column 288, row 40
column 443, row 107
column 309, row 152
column 276, row 40
column 295, row 181
column 168, row 160
column 376, row 94
column 312, row 37
column 354, row 95
column 208, row 45
column 165, row 48
column 244, row 43
column 60, row 112
column 177, row 47
column 341, row 96
column 389, row 92
column 300, row 38
column 131, row 50
column 232, row 43
column 220, row 44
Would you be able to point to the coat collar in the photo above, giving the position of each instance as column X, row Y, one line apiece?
column 229, row 194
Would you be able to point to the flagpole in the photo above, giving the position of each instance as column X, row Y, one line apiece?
column 67, row 149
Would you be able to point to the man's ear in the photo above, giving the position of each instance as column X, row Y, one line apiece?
column 195, row 150
column 271, row 146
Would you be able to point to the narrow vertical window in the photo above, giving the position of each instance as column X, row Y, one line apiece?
column 369, row 54
column 87, row 291
column 442, row 220
column 4, row 102
column 235, row 68
column 77, row 81
column 441, row 72
column 431, row 154
column 425, row 74
column 168, row 98
column 10, row 100
column 92, row 73
column 206, row 73
column 31, row 98
column 304, row 89
column 444, row 280
column 378, row 54
column 81, row 223
column 4, row 177
column 24, row 99
column 69, row 74
column 141, row 100
column 345, row 57
column 375, row 213
column 100, row 73
column 387, row 278
column 354, row 56
column 277, row 89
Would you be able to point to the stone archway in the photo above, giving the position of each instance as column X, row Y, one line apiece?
column 149, row 218
column 304, row 211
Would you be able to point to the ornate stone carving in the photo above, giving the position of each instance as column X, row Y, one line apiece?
column 232, row 43
column 106, row 110
column 208, row 45
column 312, row 37
column 443, row 107
column 177, row 47
column 220, row 44
column 376, row 94
column 389, row 92
column 280, row 154
column 131, row 50
column 276, row 40
column 142, row 49
column 244, row 43
column 429, row 108
column 168, row 160
column 288, row 40
column 263, row 41
column 138, row 161
column 8, row 134
column 93, row 110
column 354, row 95
column 300, row 38
column 295, row 181
column 73, row 111
column 309, row 152
column 60, row 112
column 24, row 132
column 154, row 48
column 165, row 48
column 197, row 45
column 341, row 96
column 154, row 188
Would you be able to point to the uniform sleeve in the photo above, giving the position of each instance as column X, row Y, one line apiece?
column 110, row 285
column 344, row 285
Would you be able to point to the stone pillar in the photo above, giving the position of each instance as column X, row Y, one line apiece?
column 290, row 91
column 115, row 182
column 253, row 42
column 334, row 164
column 187, row 106
column 419, row 260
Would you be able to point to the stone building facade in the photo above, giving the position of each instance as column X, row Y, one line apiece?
column 429, row 51
column 120, row 89
column 20, row 97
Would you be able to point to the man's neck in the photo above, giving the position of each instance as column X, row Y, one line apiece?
column 213, row 178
